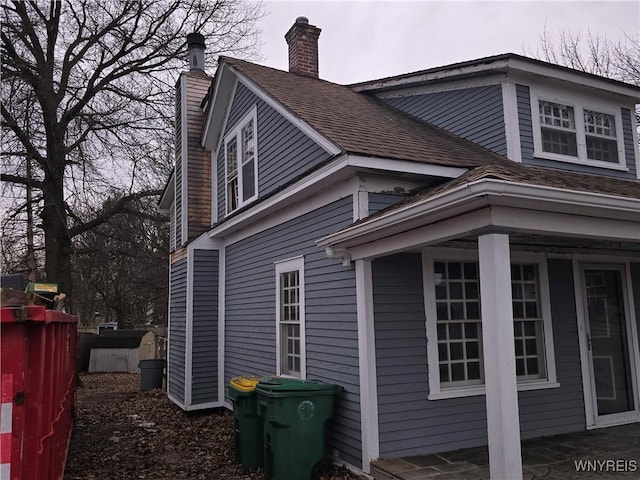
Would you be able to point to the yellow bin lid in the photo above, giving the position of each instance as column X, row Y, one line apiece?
column 245, row 384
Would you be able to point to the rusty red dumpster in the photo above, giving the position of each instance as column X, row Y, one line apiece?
column 38, row 355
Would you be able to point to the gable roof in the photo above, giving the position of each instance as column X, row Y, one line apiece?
column 360, row 124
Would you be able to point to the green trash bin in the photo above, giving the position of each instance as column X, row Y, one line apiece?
column 294, row 413
column 247, row 426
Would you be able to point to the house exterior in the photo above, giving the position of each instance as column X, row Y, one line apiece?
column 459, row 248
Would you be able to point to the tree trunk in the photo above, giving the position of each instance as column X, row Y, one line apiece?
column 54, row 223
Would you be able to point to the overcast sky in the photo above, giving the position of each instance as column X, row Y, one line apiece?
column 364, row 40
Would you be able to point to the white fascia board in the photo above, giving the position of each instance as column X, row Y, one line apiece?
column 466, row 197
column 434, row 76
column 448, row 86
column 550, row 71
column 508, row 65
column 238, row 221
column 554, row 223
column 307, row 129
column 404, row 166
column 217, row 108
column 169, row 194
column 328, row 176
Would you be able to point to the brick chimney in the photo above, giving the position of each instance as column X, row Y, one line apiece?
column 302, row 39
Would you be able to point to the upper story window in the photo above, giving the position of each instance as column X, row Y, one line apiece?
column 454, row 319
column 575, row 129
column 241, row 163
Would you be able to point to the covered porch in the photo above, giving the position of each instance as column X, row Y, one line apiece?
column 483, row 263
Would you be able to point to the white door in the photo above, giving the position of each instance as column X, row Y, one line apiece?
column 610, row 345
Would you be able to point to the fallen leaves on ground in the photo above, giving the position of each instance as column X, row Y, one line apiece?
column 122, row 433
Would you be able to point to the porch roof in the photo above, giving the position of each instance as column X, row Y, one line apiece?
column 511, row 198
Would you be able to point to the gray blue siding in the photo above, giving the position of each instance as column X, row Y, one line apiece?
column 473, row 113
column 527, row 145
column 380, row 201
column 331, row 324
column 205, row 327
column 410, row 424
column 177, row 330
column 284, row 152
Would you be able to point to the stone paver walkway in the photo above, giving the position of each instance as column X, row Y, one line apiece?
column 607, row 453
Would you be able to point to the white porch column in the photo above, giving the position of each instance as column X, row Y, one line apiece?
column 503, row 423
column 367, row 365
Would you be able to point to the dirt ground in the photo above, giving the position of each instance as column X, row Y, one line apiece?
column 122, row 433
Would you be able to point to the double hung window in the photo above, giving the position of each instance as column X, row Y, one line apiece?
column 290, row 314
column 454, row 321
column 568, row 128
column 241, row 163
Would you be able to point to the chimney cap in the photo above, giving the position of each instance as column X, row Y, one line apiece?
column 196, row 39
column 303, row 20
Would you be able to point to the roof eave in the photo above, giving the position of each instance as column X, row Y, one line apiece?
column 504, row 63
column 476, row 195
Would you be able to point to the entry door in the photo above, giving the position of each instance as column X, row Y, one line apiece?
column 609, row 345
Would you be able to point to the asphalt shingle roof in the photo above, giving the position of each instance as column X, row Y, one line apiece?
column 360, row 124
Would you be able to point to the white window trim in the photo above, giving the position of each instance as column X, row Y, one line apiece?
column 579, row 104
column 435, row 391
column 283, row 266
column 236, row 135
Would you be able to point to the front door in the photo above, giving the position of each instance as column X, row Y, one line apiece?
column 609, row 345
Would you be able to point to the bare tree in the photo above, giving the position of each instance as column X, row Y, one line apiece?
column 87, row 104
column 593, row 54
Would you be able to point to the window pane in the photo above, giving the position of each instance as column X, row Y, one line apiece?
column 455, row 290
column 473, row 311
column 472, row 350
column 455, row 331
column 471, row 290
column 444, row 373
column 558, row 141
column 443, row 352
column 602, row 149
column 232, row 157
column 599, row 123
column 457, row 372
column 457, row 311
column 473, row 370
column 556, row 115
column 248, row 180
column 456, row 350
column 443, row 311
column 470, row 271
column 454, row 270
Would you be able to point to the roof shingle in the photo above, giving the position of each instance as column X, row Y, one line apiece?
column 360, row 124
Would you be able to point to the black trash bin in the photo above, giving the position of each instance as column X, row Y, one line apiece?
column 151, row 373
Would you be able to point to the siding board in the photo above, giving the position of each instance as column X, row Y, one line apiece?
column 205, row 327
column 476, row 113
column 177, row 330
column 250, row 333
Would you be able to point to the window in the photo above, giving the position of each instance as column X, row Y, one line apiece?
column 290, row 313
column 452, row 297
column 569, row 129
column 558, row 127
column 241, row 163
